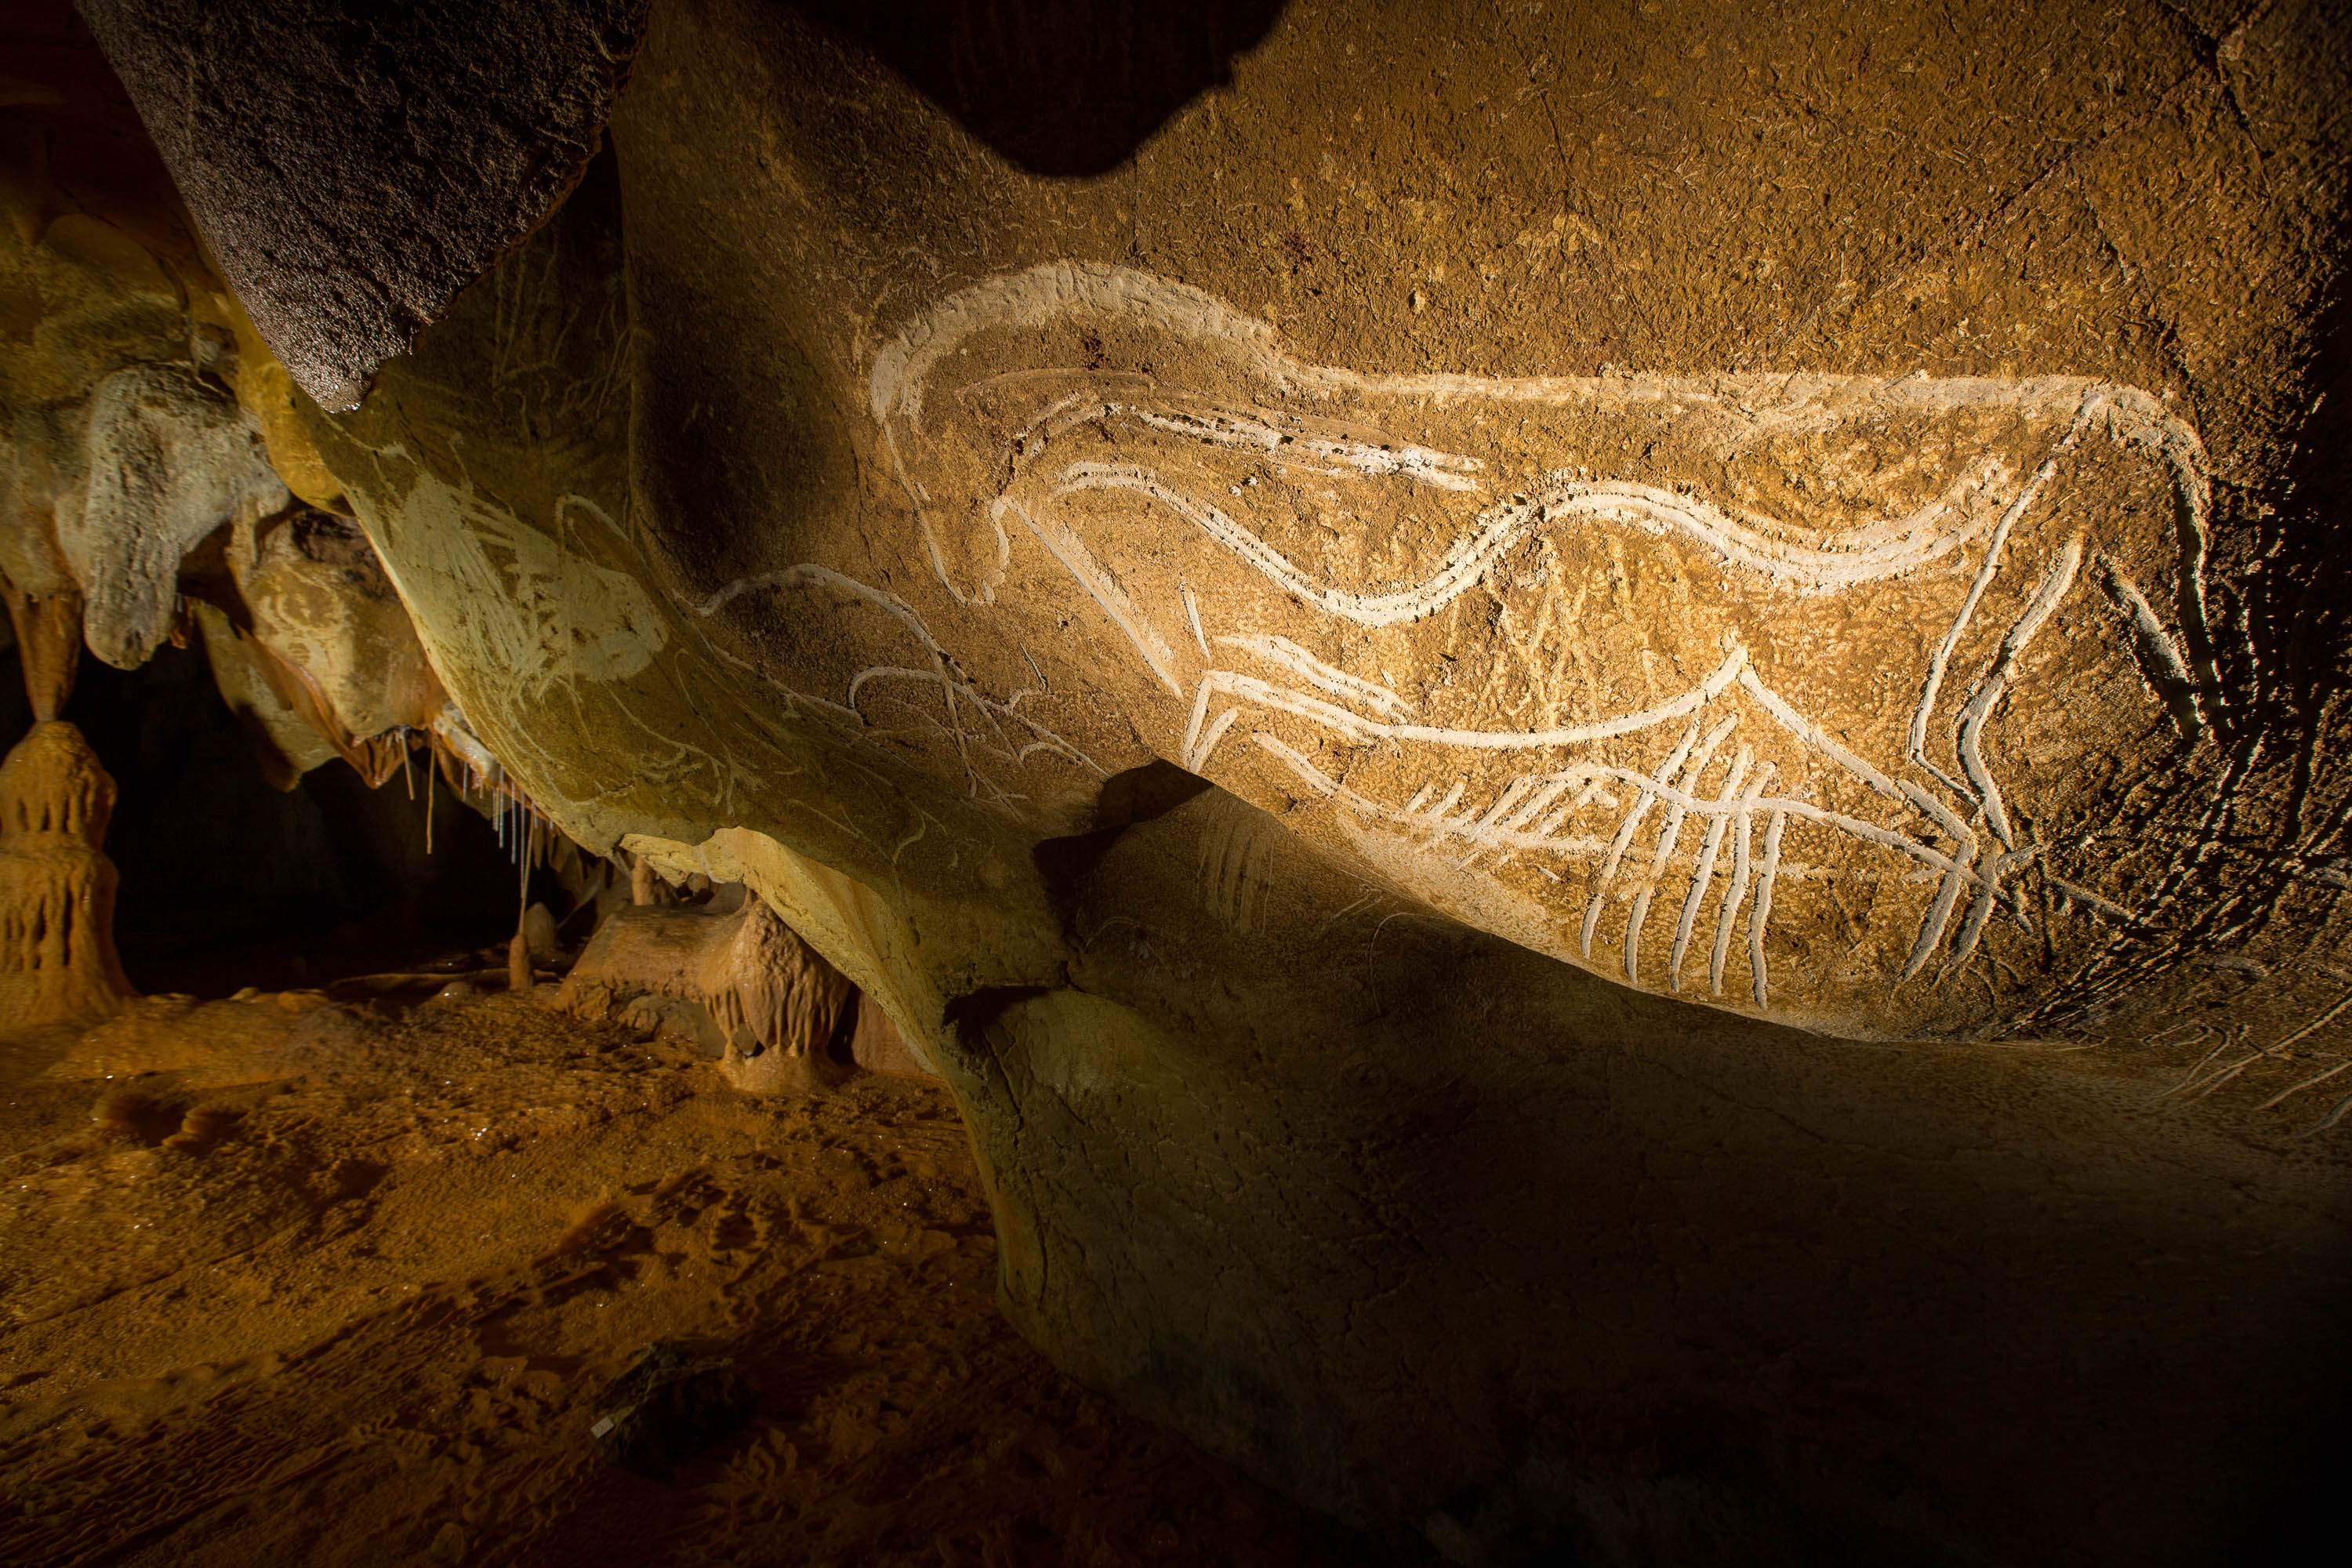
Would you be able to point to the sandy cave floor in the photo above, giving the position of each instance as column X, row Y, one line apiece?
column 340, row 1284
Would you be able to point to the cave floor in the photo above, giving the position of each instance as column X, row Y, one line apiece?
column 309, row 1282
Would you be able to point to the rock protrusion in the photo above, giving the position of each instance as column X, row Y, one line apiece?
column 57, row 962
column 777, row 1004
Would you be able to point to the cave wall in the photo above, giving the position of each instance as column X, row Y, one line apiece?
column 1873, row 468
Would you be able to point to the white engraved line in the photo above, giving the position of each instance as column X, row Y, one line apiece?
column 1957, row 871
column 1939, row 913
column 921, row 498
column 1652, row 510
column 808, row 573
column 1077, row 560
column 1985, row 574
column 1736, row 890
column 1192, row 615
column 1720, row 812
column 1536, row 804
column 1813, row 735
column 1324, row 784
column 1703, row 873
column 2054, row 586
column 1759, row 914
column 2152, row 644
column 1669, row 834
column 1045, row 738
column 1982, row 909
column 1632, row 825
column 1359, row 460
column 1043, row 293
column 2092, row 902
column 1355, row 727
column 1874, row 544
column 1282, row 651
column 1352, row 726
column 1033, row 297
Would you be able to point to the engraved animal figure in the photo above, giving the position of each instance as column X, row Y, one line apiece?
column 1592, row 656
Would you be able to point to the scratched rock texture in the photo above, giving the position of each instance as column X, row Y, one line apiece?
column 1753, row 591
column 1785, row 513
column 353, row 167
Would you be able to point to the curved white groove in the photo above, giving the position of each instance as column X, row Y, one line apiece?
column 2053, row 586
column 1703, row 874
column 1669, row 833
column 1933, row 686
column 1632, row 825
column 1356, row 727
column 1918, row 540
column 1736, row 890
column 1759, row 914
column 1289, row 656
column 2159, row 657
column 1731, row 412
column 1069, row 549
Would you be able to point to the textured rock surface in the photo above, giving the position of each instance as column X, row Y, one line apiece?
column 353, row 167
column 331, row 639
column 770, row 994
column 57, row 962
column 168, row 459
column 1282, row 456
column 1658, row 530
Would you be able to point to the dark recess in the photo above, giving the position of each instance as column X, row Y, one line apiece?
column 1067, row 87
column 226, row 882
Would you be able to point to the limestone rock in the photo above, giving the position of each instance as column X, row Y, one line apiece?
column 287, row 744
column 1740, row 611
column 325, row 629
column 57, row 962
column 48, row 644
column 775, row 1002
column 877, row 1046
column 169, row 459
column 352, row 178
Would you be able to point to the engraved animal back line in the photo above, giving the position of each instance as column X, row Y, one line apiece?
column 1977, row 509
column 1754, row 406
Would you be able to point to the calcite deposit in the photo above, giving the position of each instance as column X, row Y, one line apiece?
column 1598, row 740
column 57, row 962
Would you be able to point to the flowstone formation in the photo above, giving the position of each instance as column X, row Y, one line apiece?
column 773, row 1005
column 1598, row 744
column 57, row 962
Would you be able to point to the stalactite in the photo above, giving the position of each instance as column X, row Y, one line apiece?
column 48, row 645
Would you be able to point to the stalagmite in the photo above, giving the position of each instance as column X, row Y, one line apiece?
column 57, row 962
column 779, row 1005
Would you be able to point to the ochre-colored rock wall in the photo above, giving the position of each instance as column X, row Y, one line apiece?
column 1596, row 738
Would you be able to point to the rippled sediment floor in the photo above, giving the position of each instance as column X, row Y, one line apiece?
column 341, row 1285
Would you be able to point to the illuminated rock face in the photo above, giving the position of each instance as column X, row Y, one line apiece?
column 1352, row 682
column 57, row 962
